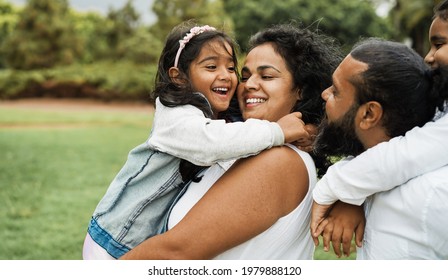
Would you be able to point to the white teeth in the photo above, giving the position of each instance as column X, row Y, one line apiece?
column 255, row 100
column 220, row 89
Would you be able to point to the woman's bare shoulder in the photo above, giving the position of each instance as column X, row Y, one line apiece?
column 281, row 171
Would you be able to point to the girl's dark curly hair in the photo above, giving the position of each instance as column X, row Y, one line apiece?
column 172, row 94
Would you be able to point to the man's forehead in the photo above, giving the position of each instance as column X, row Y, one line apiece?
column 349, row 68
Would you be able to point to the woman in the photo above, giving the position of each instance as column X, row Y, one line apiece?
column 196, row 80
column 260, row 207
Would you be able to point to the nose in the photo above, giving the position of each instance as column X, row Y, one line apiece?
column 224, row 75
column 429, row 58
column 251, row 83
column 326, row 94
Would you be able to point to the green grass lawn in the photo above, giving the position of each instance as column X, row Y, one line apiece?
column 56, row 166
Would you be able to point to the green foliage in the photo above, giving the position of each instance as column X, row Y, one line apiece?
column 119, row 27
column 48, row 34
column 43, row 37
column 87, row 26
column 105, row 80
column 117, row 36
column 346, row 20
column 8, row 20
column 172, row 12
column 413, row 18
column 141, row 48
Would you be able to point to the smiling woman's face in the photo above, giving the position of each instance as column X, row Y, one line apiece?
column 265, row 91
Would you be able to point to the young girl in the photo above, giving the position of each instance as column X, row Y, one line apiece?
column 195, row 82
column 421, row 150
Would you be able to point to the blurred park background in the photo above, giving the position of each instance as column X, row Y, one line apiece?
column 58, row 160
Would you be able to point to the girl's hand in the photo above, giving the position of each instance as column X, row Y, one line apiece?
column 293, row 127
column 342, row 222
column 307, row 144
column 296, row 132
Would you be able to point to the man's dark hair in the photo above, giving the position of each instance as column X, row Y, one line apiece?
column 398, row 78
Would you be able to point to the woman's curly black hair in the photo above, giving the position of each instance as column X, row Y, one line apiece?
column 311, row 58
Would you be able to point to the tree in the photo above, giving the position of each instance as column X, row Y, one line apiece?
column 413, row 19
column 119, row 35
column 43, row 37
column 346, row 20
column 172, row 12
column 89, row 27
column 8, row 20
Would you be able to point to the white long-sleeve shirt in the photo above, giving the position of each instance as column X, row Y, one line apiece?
column 408, row 222
column 386, row 165
column 185, row 132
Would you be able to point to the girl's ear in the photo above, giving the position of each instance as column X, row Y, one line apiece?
column 175, row 75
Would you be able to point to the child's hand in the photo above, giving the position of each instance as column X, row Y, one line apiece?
column 294, row 128
column 318, row 222
column 307, row 144
column 343, row 221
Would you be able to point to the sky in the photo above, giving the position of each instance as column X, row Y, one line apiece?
column 144, row 7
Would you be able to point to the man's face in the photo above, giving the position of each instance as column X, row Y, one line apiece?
column 338, row 138
column 438, row 37
column 338, row 131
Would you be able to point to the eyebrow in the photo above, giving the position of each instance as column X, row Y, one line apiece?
column 437, row 37
column 214, row 57
column 261, row 68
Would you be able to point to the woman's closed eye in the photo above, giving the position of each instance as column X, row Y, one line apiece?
column 244, row 78
column 438, row 45
column 267, row 77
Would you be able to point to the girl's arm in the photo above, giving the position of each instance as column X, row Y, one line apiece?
column 184, row 132
column 386, row 165
column 250, row 197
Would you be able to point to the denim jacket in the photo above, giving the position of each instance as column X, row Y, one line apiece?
column 138, row 200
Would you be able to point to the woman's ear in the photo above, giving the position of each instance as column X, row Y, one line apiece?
column 298, row 94
column 371, row 115
column 175, row 75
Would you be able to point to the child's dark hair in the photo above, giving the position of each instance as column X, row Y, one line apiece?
column 441, row 10
column 172, row 94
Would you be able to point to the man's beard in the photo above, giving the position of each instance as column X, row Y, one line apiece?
column 339, row 138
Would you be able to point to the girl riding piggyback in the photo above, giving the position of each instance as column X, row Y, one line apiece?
column 195, row 82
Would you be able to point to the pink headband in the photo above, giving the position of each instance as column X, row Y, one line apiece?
column 193, row 32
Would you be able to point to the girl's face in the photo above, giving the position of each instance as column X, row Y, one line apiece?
column 438, row 37
column 213, row 74
column 265, row 91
